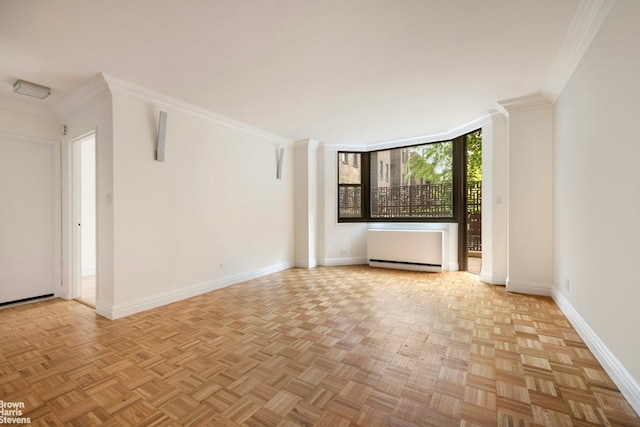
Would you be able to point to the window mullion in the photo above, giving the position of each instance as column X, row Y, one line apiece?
column 366, row 186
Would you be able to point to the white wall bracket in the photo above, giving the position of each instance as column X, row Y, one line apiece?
column 280, row 161
column 162, row 130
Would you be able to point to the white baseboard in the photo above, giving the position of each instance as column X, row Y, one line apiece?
column 333, row 262
column 62, row 294
column 400, row 266
column 104, row 310
column 452, row 266
column 628, row 386
column 530, row 288
column 492, row 279
column 311, row 263
column 117, row 311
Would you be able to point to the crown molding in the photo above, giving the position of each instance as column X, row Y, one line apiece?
column 467, row 127
column 28, row 139
column 497, row 116
column 309, row 142
column 586, row 23
column 534, row 100
column 326, row 146
column 103, row 85
column 95, row 89
column 124, row 88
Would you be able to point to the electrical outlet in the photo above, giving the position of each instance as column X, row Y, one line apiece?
column 566, row 284
column 344, row 251
column 223, row 265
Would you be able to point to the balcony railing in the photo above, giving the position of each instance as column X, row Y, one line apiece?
column 474, row 216
column 412, row 201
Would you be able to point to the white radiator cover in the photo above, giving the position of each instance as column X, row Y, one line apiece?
column 420, row 250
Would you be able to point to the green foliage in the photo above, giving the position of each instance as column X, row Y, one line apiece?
column 474, row 156
column 431, row 162
column 434, row 162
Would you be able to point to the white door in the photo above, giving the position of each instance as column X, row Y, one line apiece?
column 28, row 218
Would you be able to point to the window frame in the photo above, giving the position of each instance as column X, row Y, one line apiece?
column 458, row 182
column 364, row 186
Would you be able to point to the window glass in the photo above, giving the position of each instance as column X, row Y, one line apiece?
column 417, row 183
column 349, row 186
column 349, row 173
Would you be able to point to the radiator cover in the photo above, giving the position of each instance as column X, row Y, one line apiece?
column 420, row 250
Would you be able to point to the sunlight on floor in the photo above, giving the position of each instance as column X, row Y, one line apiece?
column 474, row 264
column 88, row 292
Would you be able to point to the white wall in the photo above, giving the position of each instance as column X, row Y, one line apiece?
column 530, row 194
column 30, row 125
column 596, row 203
column 305, row 198
column 211, row 214
column 494, row 200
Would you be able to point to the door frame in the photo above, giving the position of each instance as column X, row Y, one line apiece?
column 463, row 221
column 460, row 184
column 73, row 217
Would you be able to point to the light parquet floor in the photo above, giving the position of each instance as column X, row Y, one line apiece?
column 331, row 347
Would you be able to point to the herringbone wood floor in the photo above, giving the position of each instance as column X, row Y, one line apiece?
column 323, row 347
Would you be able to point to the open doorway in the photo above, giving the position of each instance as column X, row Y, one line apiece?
column 84, row 154
column 474, row 202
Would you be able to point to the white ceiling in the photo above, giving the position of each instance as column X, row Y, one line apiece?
column 344, row 71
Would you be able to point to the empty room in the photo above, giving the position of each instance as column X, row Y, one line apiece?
column 319, row 213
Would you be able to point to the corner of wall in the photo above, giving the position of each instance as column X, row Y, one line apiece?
column 492, row 279
column 94, row 90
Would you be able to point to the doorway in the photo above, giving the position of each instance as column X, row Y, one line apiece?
column 84, row 185
column 474, row 202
